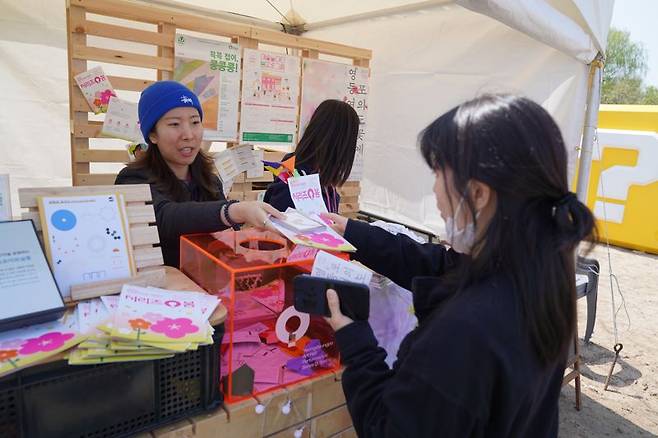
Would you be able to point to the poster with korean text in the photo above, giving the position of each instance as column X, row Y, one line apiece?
column 322, row 80
column 270, row 93
column 211, row 69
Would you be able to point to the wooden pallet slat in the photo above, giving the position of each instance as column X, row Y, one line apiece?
column 147, row 257
column 101, row 156
column 112, row 56
column 94, row 179
column 27, row 197
column 124, row 33
column 128, row 84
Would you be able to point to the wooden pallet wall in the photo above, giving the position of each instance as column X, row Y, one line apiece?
column 135, row 18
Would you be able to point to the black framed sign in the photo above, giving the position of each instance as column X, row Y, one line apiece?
column 28, row 292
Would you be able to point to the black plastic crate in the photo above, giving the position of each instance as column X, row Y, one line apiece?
column 110, row 400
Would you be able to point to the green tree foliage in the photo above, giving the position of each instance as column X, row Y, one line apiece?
column 624, row 72
column 650, row 96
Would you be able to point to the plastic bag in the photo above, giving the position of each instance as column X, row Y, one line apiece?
column 391, row 306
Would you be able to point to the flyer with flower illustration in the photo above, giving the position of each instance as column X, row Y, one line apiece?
column 96, row 88
column 30, row 345
column 323, row 238
column 153, row 315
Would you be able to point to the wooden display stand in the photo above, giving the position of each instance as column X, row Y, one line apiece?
column 164, row 23
column 141, row 228
column 316, row 406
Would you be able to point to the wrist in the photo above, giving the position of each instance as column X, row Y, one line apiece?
column 233, row 214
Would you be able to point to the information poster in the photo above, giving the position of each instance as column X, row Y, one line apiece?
column 270, row 93
column 211, row 69
column 122, row 121
column 322, row 80
column 85, row 239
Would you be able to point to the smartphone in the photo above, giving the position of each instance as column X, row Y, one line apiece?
column 311, row 297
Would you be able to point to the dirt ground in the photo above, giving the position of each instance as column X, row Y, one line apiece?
column 630, row 405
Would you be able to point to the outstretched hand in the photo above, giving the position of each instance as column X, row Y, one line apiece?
column 338, row 222
column 255, row 214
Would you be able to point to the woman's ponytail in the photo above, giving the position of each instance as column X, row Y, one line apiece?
column 573, row 220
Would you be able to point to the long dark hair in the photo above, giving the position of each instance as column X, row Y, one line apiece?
column 329, row 142
column 202, row 171
column 514, row 146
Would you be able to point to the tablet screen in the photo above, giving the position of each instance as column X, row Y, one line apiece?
column 27, row 284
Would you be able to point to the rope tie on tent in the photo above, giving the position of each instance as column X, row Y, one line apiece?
column 618, row 346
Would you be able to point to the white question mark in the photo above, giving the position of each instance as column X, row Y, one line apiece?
column 615, row 181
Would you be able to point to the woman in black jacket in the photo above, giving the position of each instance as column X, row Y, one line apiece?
column 327, row 147
column 187, row 194
column 497, row 311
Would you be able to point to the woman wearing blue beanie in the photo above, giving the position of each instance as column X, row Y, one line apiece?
column 187, row 193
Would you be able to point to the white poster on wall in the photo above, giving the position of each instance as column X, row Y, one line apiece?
column 211, row 69
column 322, row 80
column 270, row 93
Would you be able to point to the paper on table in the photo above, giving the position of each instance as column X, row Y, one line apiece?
column 335, row 268
column 267, row 363
column 272, row 295
column 246, row 334
column 301, row 252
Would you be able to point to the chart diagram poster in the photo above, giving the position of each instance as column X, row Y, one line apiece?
column 270, row 93
column 85, row 239
column 322, row 80
column 211, row 69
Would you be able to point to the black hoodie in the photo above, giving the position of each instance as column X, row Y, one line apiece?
column 467, row 370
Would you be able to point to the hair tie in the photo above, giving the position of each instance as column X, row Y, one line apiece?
column 568, row 198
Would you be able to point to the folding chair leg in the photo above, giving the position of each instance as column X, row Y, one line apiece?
column 591, row 312
column 576, row 367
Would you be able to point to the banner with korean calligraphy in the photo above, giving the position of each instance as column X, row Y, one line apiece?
column 270, row 94
column 322, row 80
column 212, row 70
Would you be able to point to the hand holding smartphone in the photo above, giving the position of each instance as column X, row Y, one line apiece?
column 311, row 297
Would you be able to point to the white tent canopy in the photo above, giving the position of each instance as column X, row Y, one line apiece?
column 427, row 58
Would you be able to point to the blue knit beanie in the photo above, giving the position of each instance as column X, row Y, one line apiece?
column 160, row 97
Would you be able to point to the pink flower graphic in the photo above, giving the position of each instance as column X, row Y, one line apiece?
column 326, row 239
column 174, row 327
column 105, row 96
column 45, row 343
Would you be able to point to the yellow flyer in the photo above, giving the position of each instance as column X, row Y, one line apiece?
column 30, row 345
column 150, row 315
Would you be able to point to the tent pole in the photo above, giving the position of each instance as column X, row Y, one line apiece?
column 591, row 123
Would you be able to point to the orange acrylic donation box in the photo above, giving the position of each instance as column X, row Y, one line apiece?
column 268, row 343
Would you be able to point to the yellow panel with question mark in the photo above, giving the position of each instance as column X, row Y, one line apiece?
column 623, row 185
